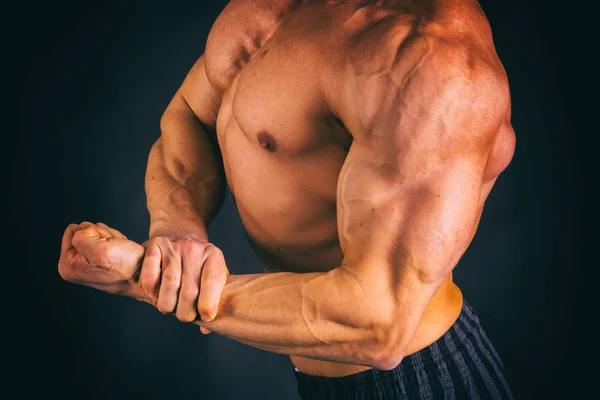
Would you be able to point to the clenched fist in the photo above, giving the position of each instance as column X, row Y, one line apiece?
column 181, row 275
column 185, row 275
column 103, row 258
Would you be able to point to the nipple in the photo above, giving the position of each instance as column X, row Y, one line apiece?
column 267, row 141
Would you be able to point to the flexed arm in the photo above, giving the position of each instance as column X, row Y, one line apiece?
column 409, row 198
column 185, row 183
column 410, row 194
column 185, row 188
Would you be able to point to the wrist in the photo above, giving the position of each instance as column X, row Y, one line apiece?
column 178, row 229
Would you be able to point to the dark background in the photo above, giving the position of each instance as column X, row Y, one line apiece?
column 91, row 80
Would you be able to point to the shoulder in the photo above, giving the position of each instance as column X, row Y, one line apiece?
column 433, row 63
column 237, row 34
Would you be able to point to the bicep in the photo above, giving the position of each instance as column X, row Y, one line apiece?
column 188, row 143
column 405, row 211
column 409, row 193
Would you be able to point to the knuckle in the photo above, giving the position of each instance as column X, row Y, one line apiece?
column 190, row 245
column 189, row 293
column 157, row 240
column 150, row 244
column 170, row 285
column 194, row 250
column 171, row 279
column 164, row 241
column 186, row 241
column 84, row 224
column 214, row 251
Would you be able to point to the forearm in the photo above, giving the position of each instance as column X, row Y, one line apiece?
column 326, row 316
column 184, row 179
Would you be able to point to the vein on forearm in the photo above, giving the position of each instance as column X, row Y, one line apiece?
column 310, row 314
column 296, row 314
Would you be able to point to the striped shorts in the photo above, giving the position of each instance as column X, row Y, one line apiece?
column 462, row 364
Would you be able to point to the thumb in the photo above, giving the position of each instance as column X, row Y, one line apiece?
column 87, row 242
column 122, row 255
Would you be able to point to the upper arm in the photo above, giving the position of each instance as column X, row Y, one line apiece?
column 187, row 153
column 188, row 142
column 409, row 192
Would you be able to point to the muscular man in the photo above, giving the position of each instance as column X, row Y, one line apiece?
column 360, row 140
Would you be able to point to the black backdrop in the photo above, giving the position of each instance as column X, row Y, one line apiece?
column 92, row 80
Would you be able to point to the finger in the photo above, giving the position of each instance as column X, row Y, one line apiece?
column 190, row 286
column 112, row 231
column 69, row 233
column 104, row 234
column 87, row 242
column 120, row 255
column 150, row 274
column 67, row 237
column 170, row 281
column 204, row 330
column 67, row 252
column 214, row 277
column 123, row 255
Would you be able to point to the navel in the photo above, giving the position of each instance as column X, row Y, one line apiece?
column 267, row 141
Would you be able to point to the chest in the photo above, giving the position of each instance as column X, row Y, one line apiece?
column 277, row 100
column 276, row 79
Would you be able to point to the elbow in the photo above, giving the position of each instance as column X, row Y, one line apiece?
column 387, row 364
column 377, row 316
column 387, row 351
column 387, row 345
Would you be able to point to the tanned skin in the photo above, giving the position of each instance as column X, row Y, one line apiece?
column 360, row 140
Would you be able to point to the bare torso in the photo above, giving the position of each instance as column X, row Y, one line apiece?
column 282, row 145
